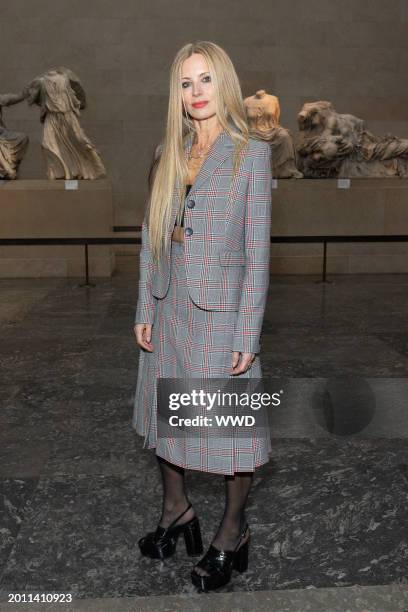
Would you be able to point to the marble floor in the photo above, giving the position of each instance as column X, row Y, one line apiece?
column 328, row 513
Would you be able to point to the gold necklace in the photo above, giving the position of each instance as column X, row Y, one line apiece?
column 202, row 151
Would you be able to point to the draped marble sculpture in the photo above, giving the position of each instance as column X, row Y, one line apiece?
column 333, row 145
column 68, row 151
column 263, row 112
column 13, row 144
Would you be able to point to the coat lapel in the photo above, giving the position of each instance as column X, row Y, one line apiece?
column 222, row 147
column 220, row 150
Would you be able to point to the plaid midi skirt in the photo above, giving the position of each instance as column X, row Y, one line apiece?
column 192, row 342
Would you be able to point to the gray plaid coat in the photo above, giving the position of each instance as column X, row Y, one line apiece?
column 227, row 241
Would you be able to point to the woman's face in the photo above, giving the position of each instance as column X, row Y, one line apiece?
column 197, row 87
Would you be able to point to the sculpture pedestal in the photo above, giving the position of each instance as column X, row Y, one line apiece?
column 302, row 207
column 55, row 209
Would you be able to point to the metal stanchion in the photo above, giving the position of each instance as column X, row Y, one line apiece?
column 324, row 278
column 86, row 283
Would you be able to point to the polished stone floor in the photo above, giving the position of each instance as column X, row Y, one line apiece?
column 78, row 490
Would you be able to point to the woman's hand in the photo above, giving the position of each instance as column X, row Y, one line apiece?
column 143, row 333
column 241, row 365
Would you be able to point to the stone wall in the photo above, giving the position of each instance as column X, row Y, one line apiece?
column 352, row 52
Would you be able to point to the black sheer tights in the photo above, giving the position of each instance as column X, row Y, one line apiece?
column 175, row 501
column 237, row 488
column 174, row 494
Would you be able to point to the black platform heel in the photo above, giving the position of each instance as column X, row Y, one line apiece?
column 162, row 543
column 219, row 565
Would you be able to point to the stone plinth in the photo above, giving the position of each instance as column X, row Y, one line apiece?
column 49, row 209
column 302, row 207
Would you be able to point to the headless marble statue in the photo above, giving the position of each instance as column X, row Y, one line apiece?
column 13, row 145
column 332, row 145
column 68, row 151
column 263, row 112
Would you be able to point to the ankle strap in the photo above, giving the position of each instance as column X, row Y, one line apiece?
column 179, row 517
column 242, row 536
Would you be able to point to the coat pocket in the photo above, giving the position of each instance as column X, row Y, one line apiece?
column 232, row 258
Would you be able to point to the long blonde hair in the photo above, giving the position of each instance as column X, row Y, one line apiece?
column 172, row 168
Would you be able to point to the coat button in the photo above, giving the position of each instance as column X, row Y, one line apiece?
column 188, row 231
column 191, row 203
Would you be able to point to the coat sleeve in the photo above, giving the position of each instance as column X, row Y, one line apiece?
column 257, row 250
column 146, row 305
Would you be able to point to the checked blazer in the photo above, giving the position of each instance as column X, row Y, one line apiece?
column 227, row 225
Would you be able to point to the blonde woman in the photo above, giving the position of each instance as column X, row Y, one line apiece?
column 204, row 276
